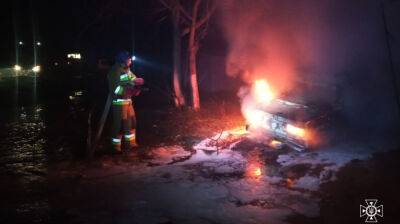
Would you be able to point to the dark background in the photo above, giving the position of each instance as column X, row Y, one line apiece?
column 354, row 47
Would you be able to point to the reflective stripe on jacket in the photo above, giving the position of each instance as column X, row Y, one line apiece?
column 121, row 102
column 119, row 78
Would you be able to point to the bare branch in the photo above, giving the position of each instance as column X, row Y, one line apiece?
column 203, row 21
column 171, row 5
column 166, row 5
column 207, row 16
column 184, row 13
column 185, row 31
column 162, row 19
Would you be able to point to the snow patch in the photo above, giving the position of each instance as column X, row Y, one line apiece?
column 168, row 154
column 331, row 159
column 308, row 182
column 231, row 137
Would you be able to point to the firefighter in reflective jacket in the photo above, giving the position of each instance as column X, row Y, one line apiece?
column 123, row 84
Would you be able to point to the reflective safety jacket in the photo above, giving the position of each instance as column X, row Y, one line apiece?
column 121, row 80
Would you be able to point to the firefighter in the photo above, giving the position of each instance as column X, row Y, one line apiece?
column 123, row 84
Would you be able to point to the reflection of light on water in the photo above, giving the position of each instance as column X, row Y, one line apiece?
column 22, row 141
column 289, row 182
column 16, row 91
column 257, row 172
column 254, row 170
column 35, row 89
column 22, row 147
column 255, row 165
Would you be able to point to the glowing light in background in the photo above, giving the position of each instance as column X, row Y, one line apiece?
column 17, row 68
column 36, row 68
column 21, row 43
column 74, row 56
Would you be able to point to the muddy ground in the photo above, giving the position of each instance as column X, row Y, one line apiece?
column 196, row 168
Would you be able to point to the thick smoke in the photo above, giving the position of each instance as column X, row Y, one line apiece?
column 338, row 46
column 276, row 40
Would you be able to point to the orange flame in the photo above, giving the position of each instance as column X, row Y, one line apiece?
column 275, row 144
column 254, row 117
column 260, row 95
column 300, row 132
column 262, row 91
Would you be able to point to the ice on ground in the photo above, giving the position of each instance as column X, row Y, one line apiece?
column 308, row 182
column 338, row 155
column 330, row 159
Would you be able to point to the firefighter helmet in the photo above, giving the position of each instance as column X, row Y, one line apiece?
column 122, row 57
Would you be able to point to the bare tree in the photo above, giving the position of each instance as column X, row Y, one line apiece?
column 191, row 17
column 177, row 75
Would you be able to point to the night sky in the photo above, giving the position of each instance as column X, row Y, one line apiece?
column 94, row 28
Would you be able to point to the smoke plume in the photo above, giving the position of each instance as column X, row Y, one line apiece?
column 336, row 45
column 277, row 40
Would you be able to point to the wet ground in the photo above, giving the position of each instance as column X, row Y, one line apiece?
column 191, row 168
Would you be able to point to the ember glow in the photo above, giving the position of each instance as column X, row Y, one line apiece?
column 17, row 68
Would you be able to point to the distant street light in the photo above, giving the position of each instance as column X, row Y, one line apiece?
column 76, row 56
column 17, row 68
column 133, row 58
column 21, row 43
column 38, row 43
column 36, row 68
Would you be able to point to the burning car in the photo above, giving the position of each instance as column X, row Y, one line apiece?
column 301, row 126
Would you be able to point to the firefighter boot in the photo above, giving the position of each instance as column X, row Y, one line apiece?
column 116, row 143
column 130, row 139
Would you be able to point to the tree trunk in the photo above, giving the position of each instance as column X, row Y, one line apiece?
column 192, row 58
column 176, row 77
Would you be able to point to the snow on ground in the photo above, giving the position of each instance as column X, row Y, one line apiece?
column 331, row 159
column 168, row 154
column 216, row 184
column 219, row 183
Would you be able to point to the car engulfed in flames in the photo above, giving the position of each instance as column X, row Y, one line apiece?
column 297, row 125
